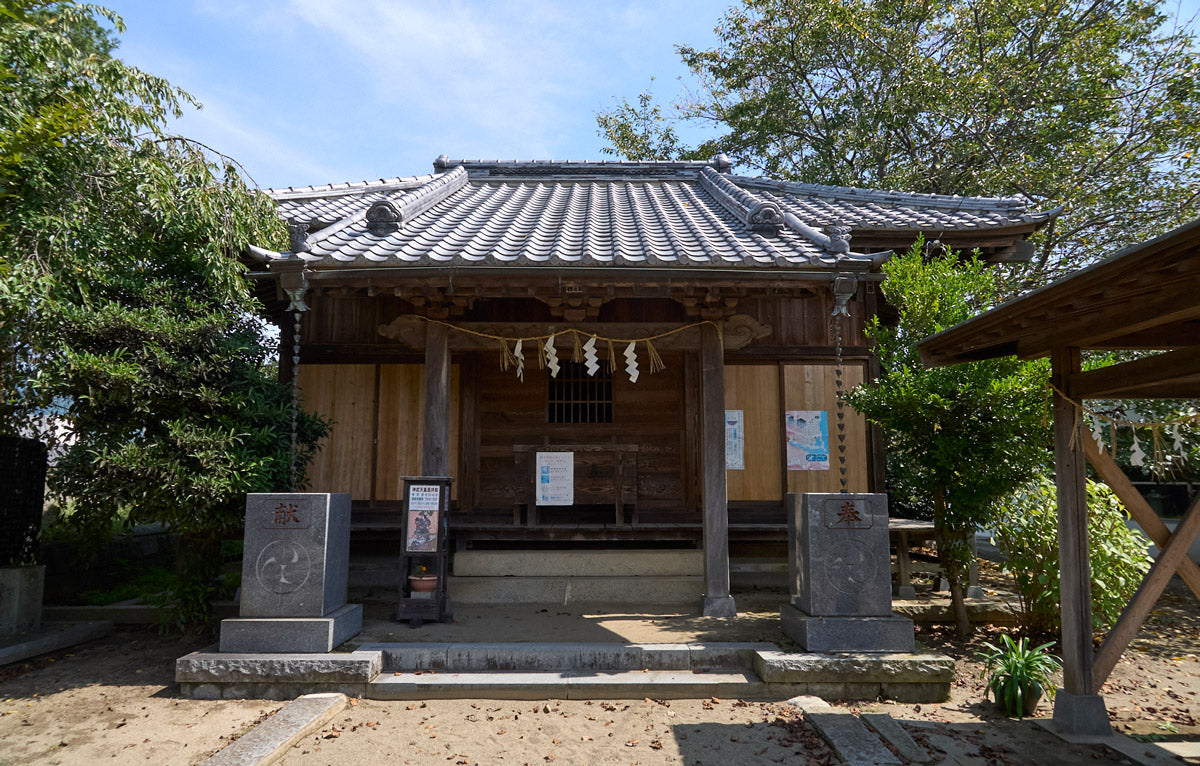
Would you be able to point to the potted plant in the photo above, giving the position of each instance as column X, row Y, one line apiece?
column 1018, row 676
column 421, row 580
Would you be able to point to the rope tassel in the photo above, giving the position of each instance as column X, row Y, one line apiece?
column 506, row 356
column 656, row 362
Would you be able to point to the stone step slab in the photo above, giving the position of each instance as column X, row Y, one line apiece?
column 593, row 657
column 269, row 741
column 903, row 677
column 575, row 685
column 895, row 735
column 851, row 741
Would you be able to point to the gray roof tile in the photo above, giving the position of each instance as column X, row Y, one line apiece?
column 612, row 213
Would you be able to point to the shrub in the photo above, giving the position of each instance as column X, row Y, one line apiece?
column 1027, row 531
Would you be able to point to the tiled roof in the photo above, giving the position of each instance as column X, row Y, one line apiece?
column 664, row 214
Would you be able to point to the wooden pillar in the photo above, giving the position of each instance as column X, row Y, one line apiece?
column 717, row 601
column 1077, row 710
column 435, row 425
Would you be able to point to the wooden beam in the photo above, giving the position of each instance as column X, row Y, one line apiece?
column 1176, row 335
column 1147, row 595
column 1075, row 584
column 1094, row 328
column 717, row 601
column 435, row 421
column 1125, row 379
column 1142, row 513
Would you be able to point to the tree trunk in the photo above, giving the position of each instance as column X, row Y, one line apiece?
column 948, row 542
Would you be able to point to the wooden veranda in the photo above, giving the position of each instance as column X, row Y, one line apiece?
column 1144, row 298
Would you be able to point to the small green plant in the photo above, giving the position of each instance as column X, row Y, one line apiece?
column 1018, row 676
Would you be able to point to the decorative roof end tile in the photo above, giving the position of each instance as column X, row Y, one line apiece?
column 839, row 239
column 383, row 218
column 721, row 162
column 298, row 236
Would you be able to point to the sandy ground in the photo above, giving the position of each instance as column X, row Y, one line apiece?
column 114, row 701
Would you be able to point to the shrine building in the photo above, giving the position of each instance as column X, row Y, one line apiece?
column 632, row 360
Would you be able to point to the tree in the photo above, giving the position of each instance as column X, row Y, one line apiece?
column 1090, row 104
column 121, row 297
column 959, row 438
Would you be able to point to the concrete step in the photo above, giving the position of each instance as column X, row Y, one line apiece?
column 583, row 657
column 747, row 574
column 586, row 671
column 657, row 684
column 673, row 590
column 579, row 563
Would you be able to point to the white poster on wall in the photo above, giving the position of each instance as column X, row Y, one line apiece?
column 807, row 440
column 555, row 478
column 735, row 441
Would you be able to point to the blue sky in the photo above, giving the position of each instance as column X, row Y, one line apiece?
column 314, row 91
column 317, row 91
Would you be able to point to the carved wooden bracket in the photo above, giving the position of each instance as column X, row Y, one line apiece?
column 740, row 330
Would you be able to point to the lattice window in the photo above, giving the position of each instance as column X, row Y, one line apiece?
column 576, row 397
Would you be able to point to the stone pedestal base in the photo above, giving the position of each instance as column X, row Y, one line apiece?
column 21, row 599
column 1081, row 714
column 291, row 634
column 847, row 634
column 719, row 607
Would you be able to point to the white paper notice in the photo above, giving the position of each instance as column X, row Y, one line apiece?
column 555, row 478
column 423, row 497
column 735, row 440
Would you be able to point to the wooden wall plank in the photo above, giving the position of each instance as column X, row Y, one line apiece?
column 401, row 393
column 754, row 389
column 813, row 387
column 399, row 427
column 344, row 394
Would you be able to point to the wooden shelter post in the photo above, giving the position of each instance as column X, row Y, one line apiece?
column 717, row 601
column 1076, row 707
column 435, row 423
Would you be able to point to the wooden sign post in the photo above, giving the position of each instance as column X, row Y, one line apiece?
column 425, row 553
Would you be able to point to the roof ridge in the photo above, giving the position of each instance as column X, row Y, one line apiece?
column 855, row 194
column 758, row 214
column 400, row 183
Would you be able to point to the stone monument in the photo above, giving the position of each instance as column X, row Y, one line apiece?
column 841, row 576
column 294, row 569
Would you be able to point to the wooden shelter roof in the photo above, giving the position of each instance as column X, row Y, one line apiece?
column 1144, row 297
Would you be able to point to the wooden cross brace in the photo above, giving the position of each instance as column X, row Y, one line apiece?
column 1172, row 558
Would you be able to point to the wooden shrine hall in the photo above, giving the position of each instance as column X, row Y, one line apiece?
column 668, row 337
column 1145, row 298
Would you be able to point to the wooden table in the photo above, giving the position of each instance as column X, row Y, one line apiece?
column 905, row 532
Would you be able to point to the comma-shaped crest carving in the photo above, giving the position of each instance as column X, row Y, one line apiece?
column 742, row 329
column 839, row 238
column 383, row 218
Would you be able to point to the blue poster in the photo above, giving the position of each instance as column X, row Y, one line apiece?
column 807, row 440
